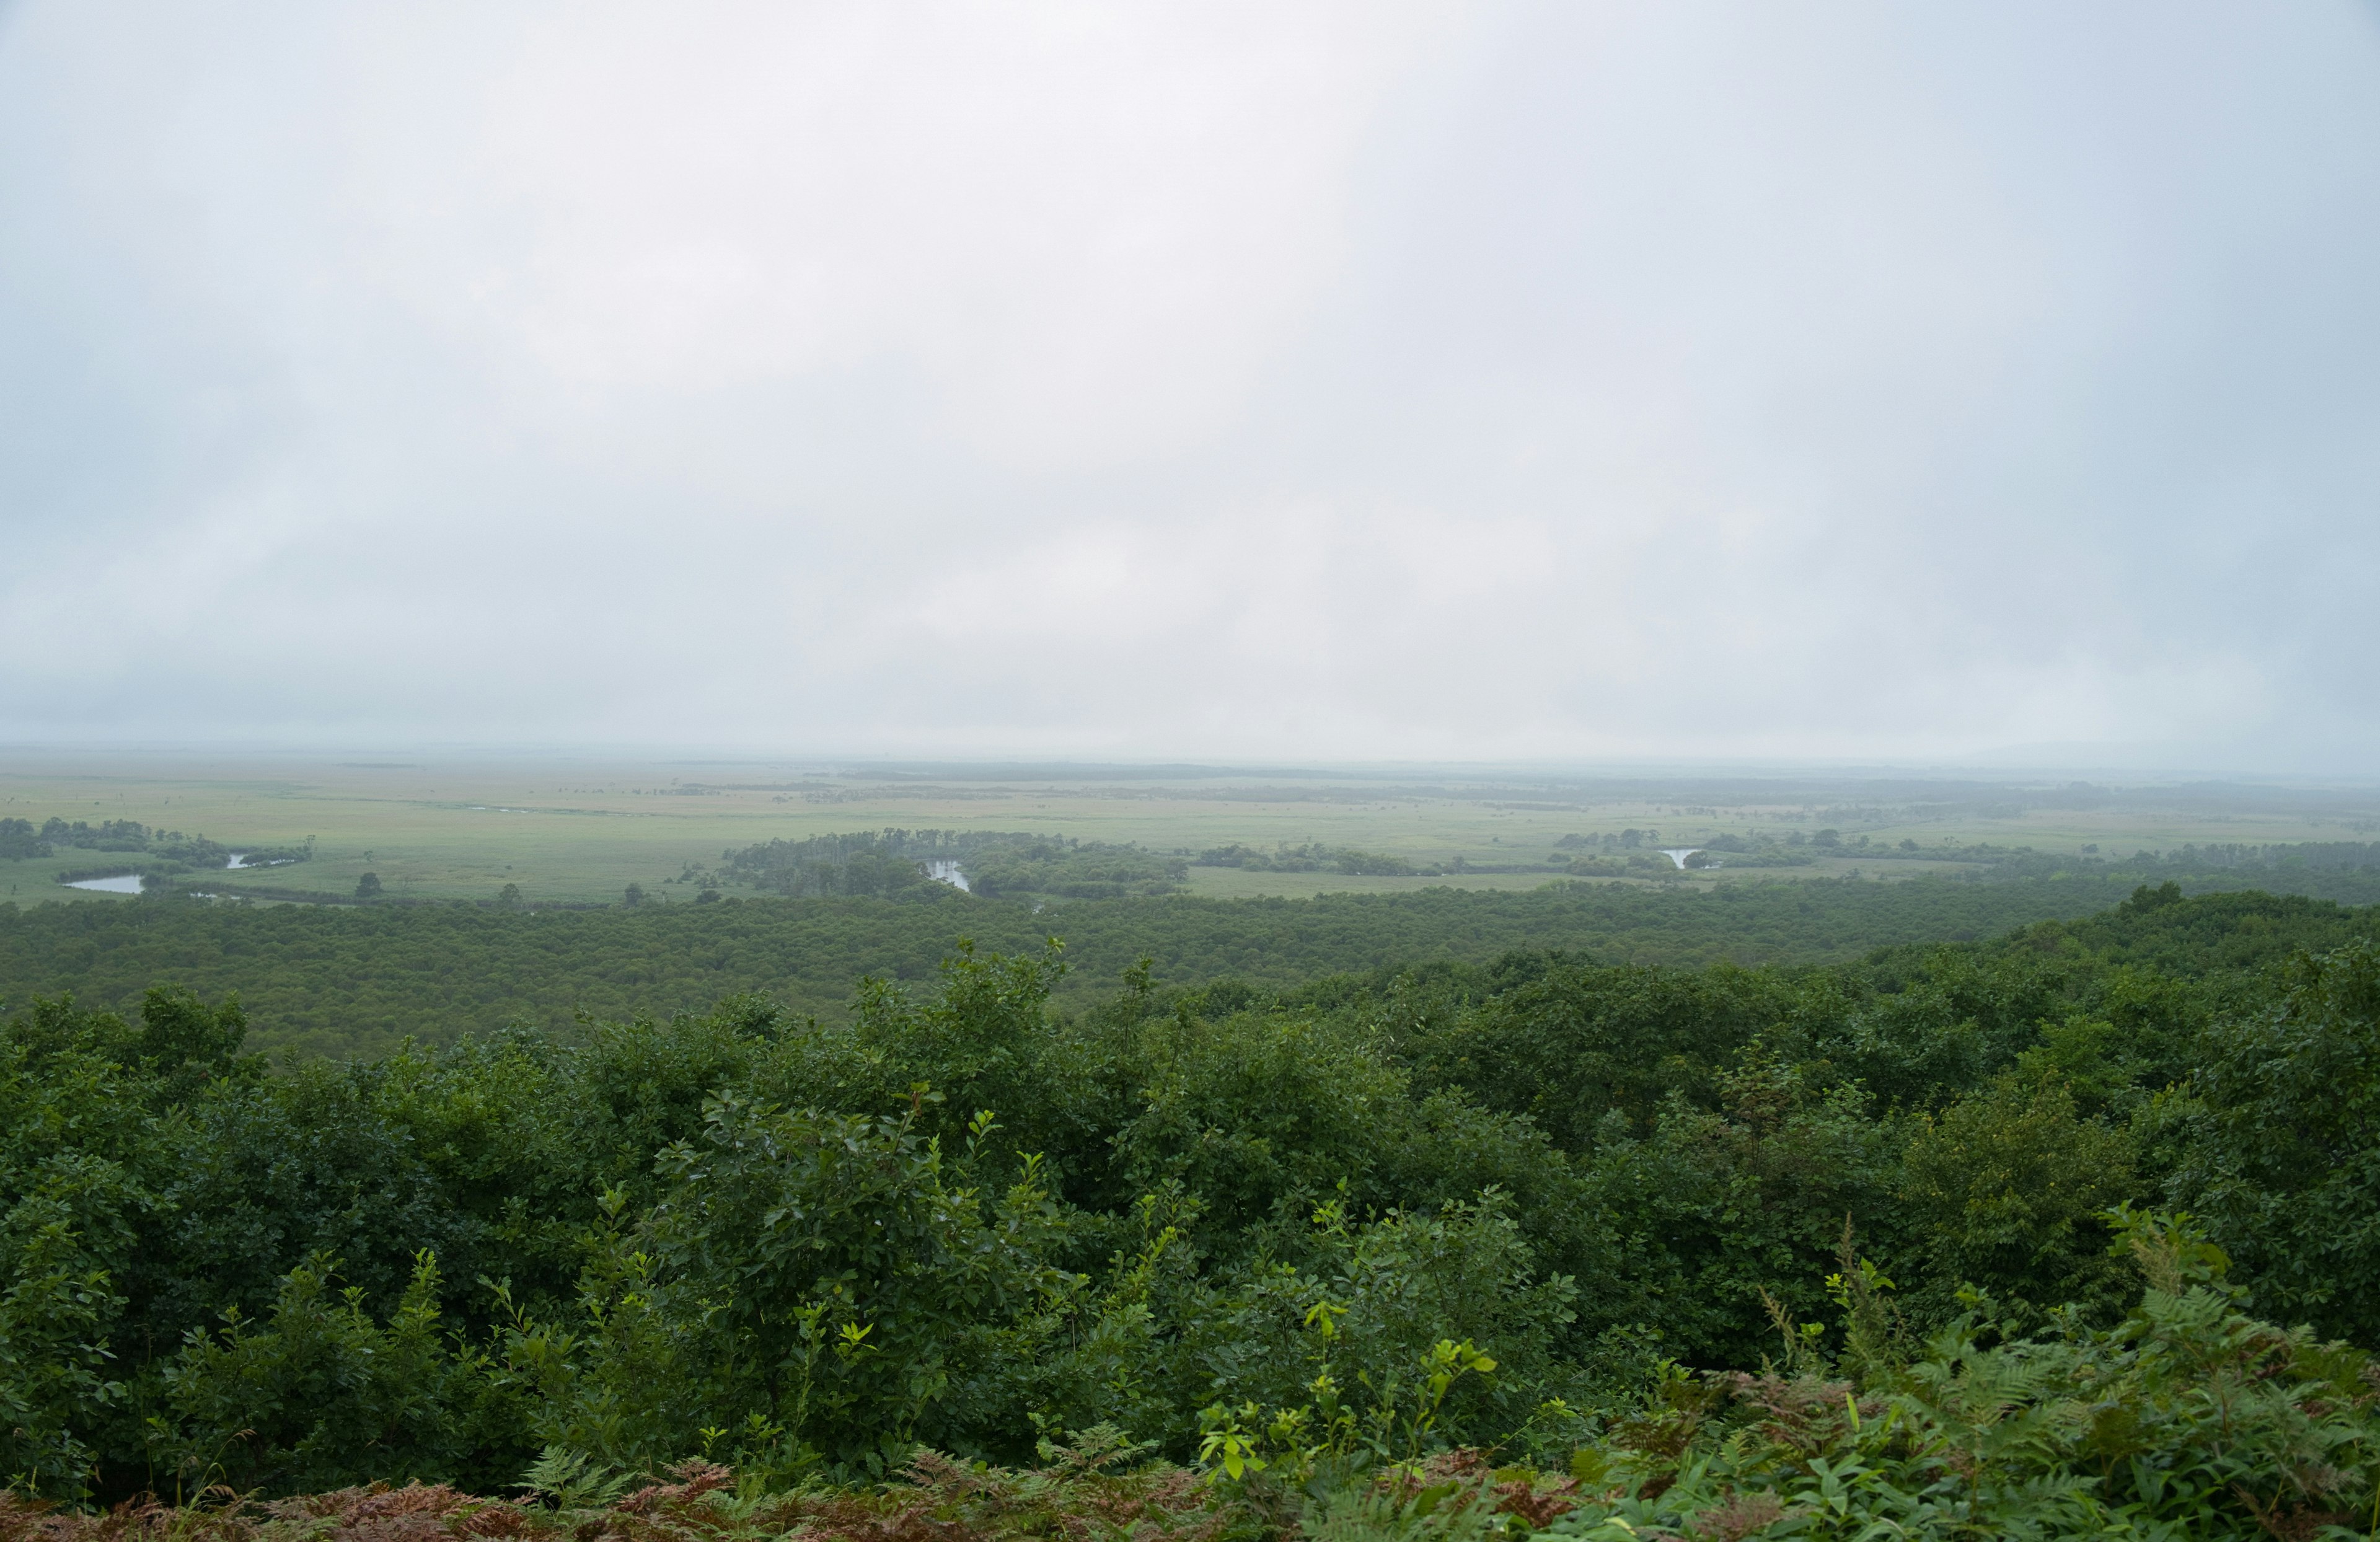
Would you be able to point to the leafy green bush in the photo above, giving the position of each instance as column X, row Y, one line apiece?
column 321, row 1397
column 2273, row 1138
column 1378, row 1218
column 2188, row 1418
column 2007, row 1185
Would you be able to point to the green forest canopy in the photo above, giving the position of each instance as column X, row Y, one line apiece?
column 351, row 979
column 1200, row 1216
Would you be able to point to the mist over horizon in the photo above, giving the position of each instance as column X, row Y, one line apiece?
column 1977, row 389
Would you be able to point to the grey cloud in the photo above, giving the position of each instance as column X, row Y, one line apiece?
column 1322, row 381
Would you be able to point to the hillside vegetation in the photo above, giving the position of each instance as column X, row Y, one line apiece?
column 354, row 980
column 1993, row 1239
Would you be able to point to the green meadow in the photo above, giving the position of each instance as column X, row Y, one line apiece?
column 580, row 829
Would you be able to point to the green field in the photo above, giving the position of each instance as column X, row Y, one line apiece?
column 460, row 826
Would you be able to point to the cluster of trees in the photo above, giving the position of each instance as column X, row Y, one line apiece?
column 1637, row 854
column 1624, row 840
column 1758, row 850
column 915, row 864
column 19, row 841
column 1311, row 857
column 170, row 850
column 1636, row 864
column 107, row 835
column 1494, row 1204
column 890, row 863
column 1059, row 867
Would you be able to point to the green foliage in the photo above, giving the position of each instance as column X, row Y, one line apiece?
column 902, row 865
column 2187, row 1418
column 18, row 839
column 1949, row 1026
column 1311, row 857
column 348, row 979
column 162, row 852
column 2008, row 1185
column 1576, row 1044
column 889, row 864
column 1716, row 1212
column 1373, row 1220
column 1349, row 1358
column 1063, row 868
column 79, row 1165
column 321, row 1397
column 832, row 1274
column 2273, row 1139
column 53, row 1321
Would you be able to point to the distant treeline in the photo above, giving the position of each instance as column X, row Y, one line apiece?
column 2345, row 870
column 1627, row 854
column 1067, row 869
column 1315, row 857
column 869, row 863
column 2348, row 871
column 2302, row 856
column 894, row 863
column 166, row 851
column 357, row 979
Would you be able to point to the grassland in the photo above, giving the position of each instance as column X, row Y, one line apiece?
column 451, row 825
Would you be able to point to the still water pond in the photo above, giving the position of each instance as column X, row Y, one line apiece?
column 124, row 883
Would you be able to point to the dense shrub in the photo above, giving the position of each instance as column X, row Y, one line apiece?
column 1378, row 1220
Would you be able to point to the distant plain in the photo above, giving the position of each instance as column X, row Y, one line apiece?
column 577, row 830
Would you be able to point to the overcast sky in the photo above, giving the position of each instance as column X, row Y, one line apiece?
column 1296, row 381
